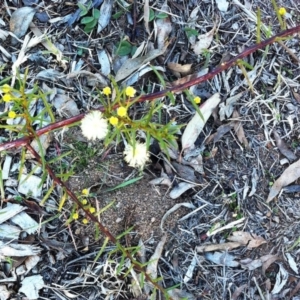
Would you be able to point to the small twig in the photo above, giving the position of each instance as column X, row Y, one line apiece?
column 288, row 50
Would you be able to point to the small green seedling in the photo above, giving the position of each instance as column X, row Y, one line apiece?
column 125, row 48
column 190, row 32
column 159, row 15
column 89, row 21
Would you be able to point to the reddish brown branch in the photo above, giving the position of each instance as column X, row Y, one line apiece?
column 23, row 141
column 102, row 228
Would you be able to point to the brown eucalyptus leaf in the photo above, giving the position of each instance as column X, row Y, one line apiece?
column 183, row 69
column 247, row 239
column 20, row 21
column 291, row 174
column 239, row 130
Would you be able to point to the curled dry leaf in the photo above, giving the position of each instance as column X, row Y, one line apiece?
column 204, row 41
column 20, row 21
column 291, row 174
column 247, row 239
column 195, row 126
column 292, row 263
column 180, row 189
column 281, row 279
column 182, row 69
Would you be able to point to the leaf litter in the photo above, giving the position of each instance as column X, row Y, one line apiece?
column 223, row 177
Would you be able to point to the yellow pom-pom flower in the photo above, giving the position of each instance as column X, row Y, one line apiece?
column 92, row 210
column 7, row 98
column 12, row 114
column 197, row 100
column 122, row 111
column 75, row 216
column 84, row 201
column 113, row 121
column 85, row 221
column 106, row 91
column 85, row 192
column 130, row 91
column 5, row 88
column 282, row 11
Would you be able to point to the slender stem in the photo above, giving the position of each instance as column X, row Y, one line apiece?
column 102, row 228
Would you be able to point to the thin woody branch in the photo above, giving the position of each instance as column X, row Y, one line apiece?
column 224, row 66
column 93, row 218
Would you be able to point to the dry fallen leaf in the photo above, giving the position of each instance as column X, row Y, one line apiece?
column 180, row 189
column 204, row 41
column 281, row 279
column 247, row 239
column 31, row 286
column 20, row 21
column 153, row 262
column 214, row 247
column 291, row 174
column 182, row 69
column 222, row 258
column 163, row 28
column 132, row 65
column 105, row 14
column 226, row 109
column 222, row 5
column 196, row 124
column 238, row 291
column 239, row 130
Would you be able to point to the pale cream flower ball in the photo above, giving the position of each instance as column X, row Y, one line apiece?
column 94, row 126
column 137, row 156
